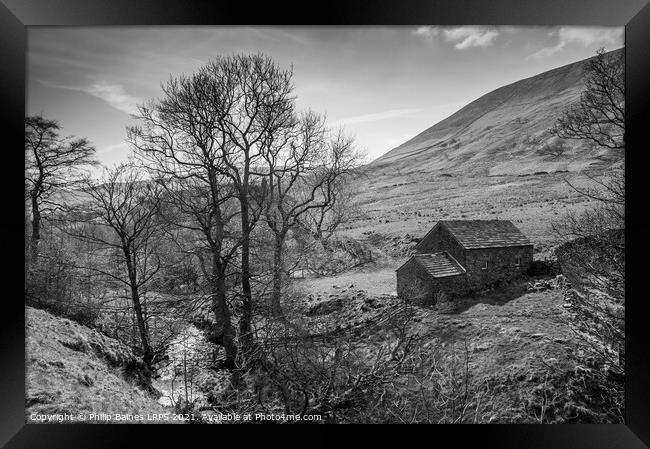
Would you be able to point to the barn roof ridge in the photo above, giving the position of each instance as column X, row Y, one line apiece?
column 486, row 233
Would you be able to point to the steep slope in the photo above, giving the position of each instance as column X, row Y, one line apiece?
column 72, row 369
column 502, row 132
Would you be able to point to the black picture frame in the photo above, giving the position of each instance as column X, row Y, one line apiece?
column 17, row 15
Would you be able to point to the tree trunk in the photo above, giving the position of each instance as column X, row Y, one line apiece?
column 225, row 331
column 278, row 273
column 247, row 297
column 147, row 352
column 36, row 231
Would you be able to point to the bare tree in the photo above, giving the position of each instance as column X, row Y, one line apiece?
column 256, row 105
column 222, row 121
column 599, row 116
column 217, row 135
column 121, row 218
column 305, row 174
column 206, row 217
column 180, row 143
column 53, row 166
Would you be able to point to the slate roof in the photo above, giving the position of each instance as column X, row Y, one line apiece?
column 440, row 264
column 475, row 234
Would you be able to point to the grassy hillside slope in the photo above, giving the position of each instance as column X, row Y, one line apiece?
column 72, row 369
column 500, row 132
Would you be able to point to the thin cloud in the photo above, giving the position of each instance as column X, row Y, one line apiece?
column 470, row 36
column 121, row 147
column 112, row 93
column 373, row 117
column 588, row 37
column 427, row 32
column 115, row 95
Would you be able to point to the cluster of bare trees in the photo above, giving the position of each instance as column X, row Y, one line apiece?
column 120, row 219
column 232, row 152
column 225, row 172
column 593, row 255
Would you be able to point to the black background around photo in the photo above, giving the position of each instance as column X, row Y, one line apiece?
column 16, row 16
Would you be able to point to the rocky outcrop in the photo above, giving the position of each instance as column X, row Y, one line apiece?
column 558, row 282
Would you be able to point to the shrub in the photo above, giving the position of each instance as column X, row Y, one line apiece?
column 546, row 267
column 445, row 303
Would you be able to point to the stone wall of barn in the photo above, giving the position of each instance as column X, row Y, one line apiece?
column 501, row 265
column 452, row 286
column 415, row 285
column 439, row 239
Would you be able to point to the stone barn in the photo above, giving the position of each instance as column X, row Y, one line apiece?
column 460, row 256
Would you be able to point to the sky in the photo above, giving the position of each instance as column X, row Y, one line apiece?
column 382, row 85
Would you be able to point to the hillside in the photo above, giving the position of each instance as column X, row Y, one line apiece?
column 72, row 369
column 486, row 161
column 500, row 133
